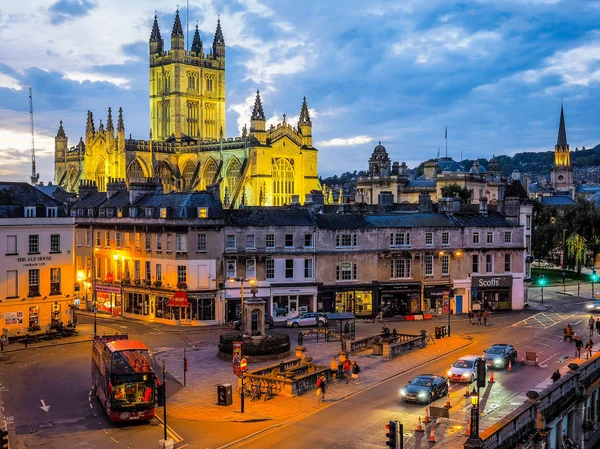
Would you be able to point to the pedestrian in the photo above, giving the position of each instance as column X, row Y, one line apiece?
column 355, row 371
column 26, row 339
column 394, row 333
column 578, row 346
column 2, row 344
column 588, row 347
column 591, row 325
column 321, row 387
column 568, row 333
column 479, row 316
column 347, row 369
column 333, row 369
column 598, row 326
column 555, row 375
column 471, row 315
column 485, row 317
column 379, row 316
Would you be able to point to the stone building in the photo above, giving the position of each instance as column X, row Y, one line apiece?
column 187, row 149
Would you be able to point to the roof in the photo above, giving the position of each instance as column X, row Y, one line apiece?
column 515, row 189
column 23, row 194
column 94, row 199
column 448, row 164
column 558, row 200
column 492, row 220
column 419, row 182
column 562, row 131
column 178, row 199
column 271, row 216
column 125, row 345
column 50, row 189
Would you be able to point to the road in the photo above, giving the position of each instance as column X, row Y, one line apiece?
column 60, row 377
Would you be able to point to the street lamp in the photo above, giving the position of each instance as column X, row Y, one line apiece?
column 474, row 430
column 594, row 280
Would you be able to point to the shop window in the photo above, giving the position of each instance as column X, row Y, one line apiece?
column 289, row 240
column 507, row 264
column 12, row 284
column 148, row 270
column 429, row 239
column 490, row 238
column 118, row 239
column 308, row 240
column 508, row 237
column 250, row 242
column 270, row 241
column 34, row 244
column 270, row 268
column 55, row 281
column 308, row 268
column 181, row 243
column 11, row 245
column 250, row 269
column 34, row 283
column 400, row 268
column 136, row 269
column 400, row 239
column 445, row 238
column 34, row 316
column 476, row 238
column 158, row 242
column 346, row 271
column 489, row 266
column 230, row 242
column 201, row 242
column 181, row 274
column 346, row 240
column 428, row 265
column 231, row 268
column 289, row 268
column 475, row 263
column 158, row 272
column 445, row 265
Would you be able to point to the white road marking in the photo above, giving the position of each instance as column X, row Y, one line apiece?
column 544, row 361
column 44, row 407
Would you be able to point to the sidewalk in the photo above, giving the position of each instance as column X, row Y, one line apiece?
column 197, row 400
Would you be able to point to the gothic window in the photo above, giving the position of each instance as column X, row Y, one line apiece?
column 73, row 175
column 135, row 172
column 209, row 174
column 101, row 175
column 210, row 120
column 192, row 119
column 283, row 182
column 166, row 177
column 191, row 82
column 209, row 84
column 233, row 174
column 167, row 115
column 188, row 175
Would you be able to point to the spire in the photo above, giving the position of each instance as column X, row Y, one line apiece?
column 219, row 39
column 155, row 34
column 304, row 115
column 562, row 131
column 89, row 127
column 101, row 127
column 109, row 121
column 244, row 131
column 257, row 112
column 61, row 131
column 120, row 125
column 197, row 42
column 177, row 28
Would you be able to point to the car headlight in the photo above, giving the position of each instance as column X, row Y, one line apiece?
column 422, row 395
column 498, row 362
column 403, row 392
column 590, row 306
column 449, row 373
column 466, row 375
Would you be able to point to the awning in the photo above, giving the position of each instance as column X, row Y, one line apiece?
column 179, row 299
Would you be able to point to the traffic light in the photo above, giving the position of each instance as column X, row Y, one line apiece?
column 391, row 433
column 161, row 396
column 481, row 374
column 542, row 281
column 3, row 439
column 594, row 276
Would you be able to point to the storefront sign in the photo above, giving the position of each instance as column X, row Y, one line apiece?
column 203, row 296
column 179, row 299
column 401, row 287
column 491, row 281
column 34, row 261
column 436, row 292
column 13, row 318
column 107, row 289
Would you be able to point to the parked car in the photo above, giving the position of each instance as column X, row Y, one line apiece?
column 307, row 319
column 269, row 323
column 425, row 388
column 498, row 356
column 464, row 369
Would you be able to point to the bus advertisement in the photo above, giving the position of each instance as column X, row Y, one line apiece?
column 123, row 378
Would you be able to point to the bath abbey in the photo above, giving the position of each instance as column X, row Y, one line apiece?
column 187, row 149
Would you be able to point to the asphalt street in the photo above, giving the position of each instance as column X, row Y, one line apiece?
column 60, row 377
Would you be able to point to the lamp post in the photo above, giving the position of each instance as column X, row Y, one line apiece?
column 474, row 441
column 594, row 280
column 456, row 254
column 564, row 276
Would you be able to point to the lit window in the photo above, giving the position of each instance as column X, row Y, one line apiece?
column 55, row 281
column 346, row 271
column 163, row 212
column 202, row 212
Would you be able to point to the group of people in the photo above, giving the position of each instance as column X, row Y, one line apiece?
column 348, row 370
column 482, row 317
column 572, row 336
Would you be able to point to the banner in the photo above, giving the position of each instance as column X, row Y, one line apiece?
column 179, row 299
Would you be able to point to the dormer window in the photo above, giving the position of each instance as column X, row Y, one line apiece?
column 163, row 212
column 52, row 212
column 119, row 212
column 148, row 212
column 203, row 212
column 90, row 212
column 133, row 212
column 30, row 212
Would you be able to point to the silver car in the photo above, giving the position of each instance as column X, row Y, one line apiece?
column 307, row 319
column 463, row 370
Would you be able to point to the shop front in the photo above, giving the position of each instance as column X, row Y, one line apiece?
column 400, row 299
column 357, row 299
column 233, row 300
column 288, row 302
column 138, row 305
column 109, row 299
column 491, row 292
column 436, row 299
column 202, row 306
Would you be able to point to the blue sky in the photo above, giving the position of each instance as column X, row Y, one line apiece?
column 494, row 72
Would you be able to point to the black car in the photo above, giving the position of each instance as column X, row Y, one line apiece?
column 269, row 322
column 425, row 388
column 498, row 356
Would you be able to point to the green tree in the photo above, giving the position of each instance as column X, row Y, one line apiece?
column 576, row 256
column 451, row 190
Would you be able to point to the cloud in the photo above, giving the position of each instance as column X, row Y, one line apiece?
column 81, row 77
column 69, row 9
column 8, row 82
column 345, row 141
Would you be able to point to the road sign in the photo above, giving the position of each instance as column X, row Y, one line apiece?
column 243, row 365
column 439, row 412
column 237, row 350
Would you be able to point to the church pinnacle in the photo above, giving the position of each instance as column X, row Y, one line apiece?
column 177, row 28
column 120, row 125
column 197, row 42
column 257, row 112
column 219, row 39
column 61, row 131
column 304, row 115
column 562, row 130
column 89, row 127
column 155, row 35
column 109, row 121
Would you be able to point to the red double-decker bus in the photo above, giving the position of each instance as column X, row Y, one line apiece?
column 123, row 378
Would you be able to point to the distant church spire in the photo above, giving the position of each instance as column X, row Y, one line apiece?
column 61, row 131
column 562, row 131
column 120, row 124
column 219, row 39
column 109, row 121
column 197, row 42
column 89, row 127
column 155, row 34
column 304, row 115
column 177, row 28
column 257, row 112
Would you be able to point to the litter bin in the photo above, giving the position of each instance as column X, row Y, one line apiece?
column 444, row 330
column 224, row 394
column 438, row 332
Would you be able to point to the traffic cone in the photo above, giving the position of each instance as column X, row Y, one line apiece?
column 468, row 432
column 522, row 360
column 419, row 427
column 432, row 435
column 448, row 405
column 491, row 381
column 467, row 394
column 510, row 366
column 426, row 420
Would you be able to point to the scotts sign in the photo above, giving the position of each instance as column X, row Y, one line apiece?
column 491, row 281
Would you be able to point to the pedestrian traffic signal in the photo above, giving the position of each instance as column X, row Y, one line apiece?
column 161, row 396
column 594, row 276
column 391, row 433
column 3, row 439
column 542, row 281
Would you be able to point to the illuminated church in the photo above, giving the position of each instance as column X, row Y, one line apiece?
column 187, row 149
column 561, row 176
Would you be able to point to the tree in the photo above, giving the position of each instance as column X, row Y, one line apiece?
column 576, row 256
column 451, row 190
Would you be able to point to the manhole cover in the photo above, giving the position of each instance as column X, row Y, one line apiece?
column 24, row 429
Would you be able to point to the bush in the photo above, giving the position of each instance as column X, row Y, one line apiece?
column 273, row 343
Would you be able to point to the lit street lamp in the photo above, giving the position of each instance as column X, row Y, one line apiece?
column 474, row 441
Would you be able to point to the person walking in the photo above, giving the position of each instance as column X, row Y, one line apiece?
column 355, row 371
column 347, row 369
column 555, row 375
column 485, row 317
column 588, row 348
column 471, row 315
column 568, row 333
column 591, row 325
column 321, row 387
column 598, row 326
column 479, row 316
column 333, row 369
column 578, row 346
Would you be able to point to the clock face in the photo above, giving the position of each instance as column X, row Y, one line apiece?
column 561, row 177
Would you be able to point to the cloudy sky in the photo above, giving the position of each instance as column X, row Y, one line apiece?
column 494, row 72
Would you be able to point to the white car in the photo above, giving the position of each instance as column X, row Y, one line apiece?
column 307, row 319
column 463, row 370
